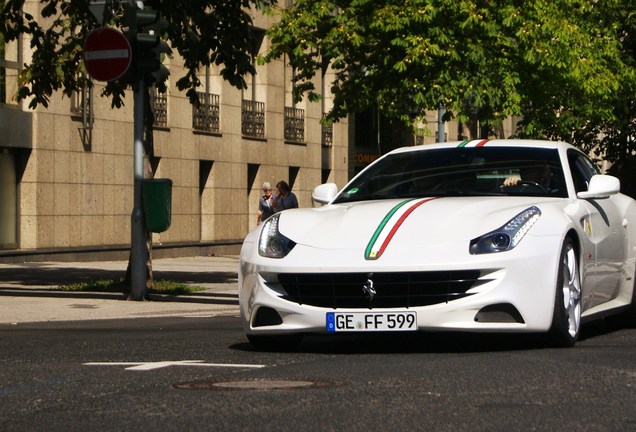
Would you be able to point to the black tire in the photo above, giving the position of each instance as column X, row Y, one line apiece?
column 275, row 343
column 629, row 316
column 566, row 316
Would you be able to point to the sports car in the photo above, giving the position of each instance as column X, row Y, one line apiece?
column 479, row 236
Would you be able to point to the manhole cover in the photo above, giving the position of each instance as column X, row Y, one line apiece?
column 260, row 384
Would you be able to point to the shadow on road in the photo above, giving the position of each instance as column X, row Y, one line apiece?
column 436, row 342
column 55, row 276
column 43, row 280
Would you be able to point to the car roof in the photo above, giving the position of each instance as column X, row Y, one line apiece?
column 489, row 143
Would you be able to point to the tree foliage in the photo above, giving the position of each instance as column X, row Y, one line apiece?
column 203, row 32
column 566, row 66
column 556, row 62
column 594, row 109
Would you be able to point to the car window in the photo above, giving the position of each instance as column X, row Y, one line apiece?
column 459, row 171
column 582, row 170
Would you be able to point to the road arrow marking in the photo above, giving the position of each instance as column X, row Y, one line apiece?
column 144, row 366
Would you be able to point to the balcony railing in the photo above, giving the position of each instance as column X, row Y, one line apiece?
column 206, row 116
column 419, row 136
column 253, row 118
column 159, row 106
column 327, row 133
column 294, row 124
column 80, row 102
column 3, row 85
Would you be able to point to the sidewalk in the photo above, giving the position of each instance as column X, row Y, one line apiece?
column 28, row 291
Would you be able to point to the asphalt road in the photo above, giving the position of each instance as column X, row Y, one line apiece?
column 199, row 374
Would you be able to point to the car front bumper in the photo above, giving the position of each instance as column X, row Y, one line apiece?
column 515, row 290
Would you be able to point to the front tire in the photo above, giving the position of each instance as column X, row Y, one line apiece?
column 629, row 316
column 566, row 317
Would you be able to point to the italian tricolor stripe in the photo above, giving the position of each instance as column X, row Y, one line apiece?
column 473, row 143
column 389, row 226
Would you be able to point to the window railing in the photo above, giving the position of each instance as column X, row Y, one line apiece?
column 419, row 136
column 80, row 102
column 3, row 85
column 159, row 106
column 10, row 53
column 326, row 138
column 82, row 109
column 253, row 118
column 206, row 115
column 294, row 124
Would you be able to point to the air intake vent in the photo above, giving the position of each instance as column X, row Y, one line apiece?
column 266, row 316
column 393, row 290
column 499, row 313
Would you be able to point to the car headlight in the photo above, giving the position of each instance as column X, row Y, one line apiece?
column 271, row 243
column 508, row 236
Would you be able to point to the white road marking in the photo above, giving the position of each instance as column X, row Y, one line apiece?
column 144, row 366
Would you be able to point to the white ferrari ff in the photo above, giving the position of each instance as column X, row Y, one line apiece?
column 480, row 236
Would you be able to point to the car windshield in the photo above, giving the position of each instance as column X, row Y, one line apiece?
column 479, row 171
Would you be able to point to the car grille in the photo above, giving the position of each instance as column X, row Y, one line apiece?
column 393, row 290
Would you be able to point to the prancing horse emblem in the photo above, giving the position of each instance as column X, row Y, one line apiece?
column 368, row 288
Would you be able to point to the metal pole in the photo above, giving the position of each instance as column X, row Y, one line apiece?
column 441, row 136
column 138, row 253
column 377, row 119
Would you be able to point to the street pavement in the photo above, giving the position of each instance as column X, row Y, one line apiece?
column 29, row 292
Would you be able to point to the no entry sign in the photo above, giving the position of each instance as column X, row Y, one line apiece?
column 107, row 54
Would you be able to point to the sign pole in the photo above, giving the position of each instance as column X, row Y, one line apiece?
column 139, row 252
column 441, row 135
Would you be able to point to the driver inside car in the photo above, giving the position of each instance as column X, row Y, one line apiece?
column 537, row 174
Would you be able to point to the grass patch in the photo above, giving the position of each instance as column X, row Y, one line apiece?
column 118, row 285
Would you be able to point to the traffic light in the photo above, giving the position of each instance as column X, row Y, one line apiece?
column 145, row 27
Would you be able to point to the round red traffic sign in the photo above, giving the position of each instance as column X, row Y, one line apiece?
column 107, row 54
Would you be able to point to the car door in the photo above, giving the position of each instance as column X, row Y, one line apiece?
column 603, row 226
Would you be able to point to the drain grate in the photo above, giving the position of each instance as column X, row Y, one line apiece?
column 256, row 385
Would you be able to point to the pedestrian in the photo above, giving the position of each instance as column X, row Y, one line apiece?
column 265, row 207
column 284, row 198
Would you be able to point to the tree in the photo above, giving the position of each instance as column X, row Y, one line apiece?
column 481, row 60
column 602, row 121
column 617, row 132
column 605, row 100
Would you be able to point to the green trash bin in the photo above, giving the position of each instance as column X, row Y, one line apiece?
column 157, row 194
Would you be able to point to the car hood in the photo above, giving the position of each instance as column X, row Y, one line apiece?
column 417, row 223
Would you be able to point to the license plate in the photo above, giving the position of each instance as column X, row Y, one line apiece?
column 371, row 321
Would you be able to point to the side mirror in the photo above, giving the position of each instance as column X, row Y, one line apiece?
column 601, row 186
column 324, row 193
